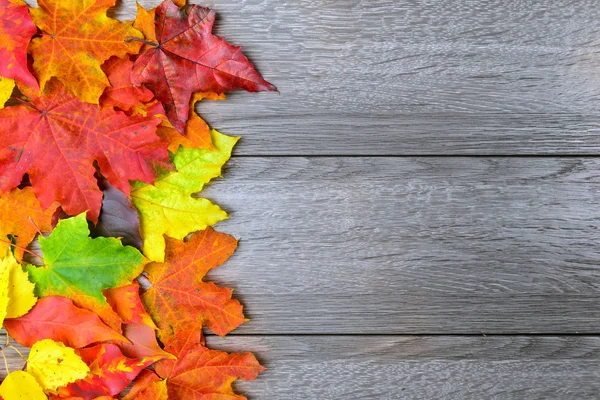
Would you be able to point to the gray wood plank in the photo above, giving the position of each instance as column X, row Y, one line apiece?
column 413, row 245
column 413, row 77
column 437, row 367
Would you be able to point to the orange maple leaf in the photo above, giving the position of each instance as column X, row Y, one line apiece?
column 179, row 300
column 22, row 216
column 77, row 37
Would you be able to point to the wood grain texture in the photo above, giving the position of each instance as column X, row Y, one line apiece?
column 373, row 77
column 413, row 245
column 407, row 367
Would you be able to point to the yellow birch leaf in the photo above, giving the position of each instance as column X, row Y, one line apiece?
column 55, row 365
column 20, row 385
column 20, row 290
column 4, row 285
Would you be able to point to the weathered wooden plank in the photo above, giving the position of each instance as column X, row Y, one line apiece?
column 414, row 77
column 381, row 367
column 414, row 245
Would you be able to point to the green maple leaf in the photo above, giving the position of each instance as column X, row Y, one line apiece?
column 79, row 267
column 167, row 207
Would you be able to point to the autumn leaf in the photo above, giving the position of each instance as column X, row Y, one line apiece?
column 126, row 302
column 121, row 93
column 167, row 207
column 16, row 30
column 54, row 365
column 197, row 132
column 79, row 267
column 179, row 298
column 20, row 385
column 188, row 58
column 143, row 342
column 56, row 139
column 77, row 37
column 110, row 373
column 22, row 215
column 57, row 318
column 19, row 289
column 118, row 218
column 200, row 373
column 147, row 386
column 6, row 90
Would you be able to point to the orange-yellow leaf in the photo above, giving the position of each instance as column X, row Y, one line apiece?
column 22, row 215
column 77, row 37
column 179, row 298
column 147, row 386
column 126, row 302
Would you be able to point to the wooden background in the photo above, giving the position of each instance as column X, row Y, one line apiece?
column 418, row 208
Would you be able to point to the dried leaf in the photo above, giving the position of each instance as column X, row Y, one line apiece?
column 121, row 93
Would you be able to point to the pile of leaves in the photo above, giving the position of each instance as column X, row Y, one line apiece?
column 104, row 243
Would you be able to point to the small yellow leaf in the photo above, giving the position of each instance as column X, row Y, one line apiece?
column 5, row 264
column 6, row 88
column 20, row 290
column 19, row 385
column 55, row 365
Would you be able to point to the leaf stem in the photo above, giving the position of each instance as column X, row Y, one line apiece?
column 21, row 248
column 5, row 361
column 34, row 225
column 134, row 39
column 25, row 103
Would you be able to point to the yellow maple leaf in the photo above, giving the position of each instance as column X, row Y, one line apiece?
column 55, row 365
column 77, row 37
column 19, row 385
column 167, row 207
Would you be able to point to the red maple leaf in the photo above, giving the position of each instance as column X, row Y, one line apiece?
column 188, row 58
column 56, row 139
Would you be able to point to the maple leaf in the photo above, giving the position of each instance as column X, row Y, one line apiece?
column 188, row 58
column 56, row 139
column 111, row 372
column 77, row 37
column 121, row 93
column 22, row 216
column 167, row 207
column 147, row 386
column 118, row 218
column 197, row 132
column 179, row 298
column 126, row 302
column 54, row 365
column 57, row 318
column 200, row 373
column 16, row 30
column 79, row 267
column 19, row 385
